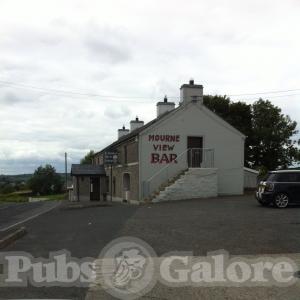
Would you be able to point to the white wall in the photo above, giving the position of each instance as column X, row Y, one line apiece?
column 250, row 179
column 196, row 120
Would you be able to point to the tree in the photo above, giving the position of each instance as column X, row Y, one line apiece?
column 273, row 146
column 45, row 181
column 269, row 144
column 238, row 114
column 88, row 159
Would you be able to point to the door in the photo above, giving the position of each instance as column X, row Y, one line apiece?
column 194, row 153
column 126, row 186
column 95, row 189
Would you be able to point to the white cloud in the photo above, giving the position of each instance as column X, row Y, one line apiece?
column 143, row 49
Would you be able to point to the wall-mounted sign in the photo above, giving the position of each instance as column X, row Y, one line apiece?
column 110, row 157
column 163, row 153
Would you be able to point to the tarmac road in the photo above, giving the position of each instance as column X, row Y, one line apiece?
column 236, row 224
column 13, row 214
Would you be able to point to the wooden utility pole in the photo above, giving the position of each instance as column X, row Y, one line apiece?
column 111, row 183
column 66, row 170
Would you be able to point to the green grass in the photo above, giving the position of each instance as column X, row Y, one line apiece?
column 23, row 197
column 14, row 197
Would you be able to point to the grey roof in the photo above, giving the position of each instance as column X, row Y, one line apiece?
column 78, row 169
column 134, row 132
column 165, row 103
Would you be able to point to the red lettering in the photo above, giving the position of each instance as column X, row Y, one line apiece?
column 164, row 158
column 154, row 158
column 151, row 137
column 163, row 138
column 173, row 158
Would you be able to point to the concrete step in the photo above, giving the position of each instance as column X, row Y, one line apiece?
column 193, row 183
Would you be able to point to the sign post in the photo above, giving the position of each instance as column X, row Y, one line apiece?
column 111, row 158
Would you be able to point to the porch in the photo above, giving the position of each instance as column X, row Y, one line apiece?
column 89, row 183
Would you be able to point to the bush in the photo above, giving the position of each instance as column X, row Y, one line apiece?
column 45, row 181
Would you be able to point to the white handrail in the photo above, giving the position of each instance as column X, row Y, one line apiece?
column 169, row 165
column 164, row 172
column 165, row 167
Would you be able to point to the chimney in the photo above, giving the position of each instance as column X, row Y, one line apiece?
column 134, row 124
column 123, row 131
column 163, row 107
column 191, row 92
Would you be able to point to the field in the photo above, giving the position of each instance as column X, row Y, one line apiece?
column 23, row 196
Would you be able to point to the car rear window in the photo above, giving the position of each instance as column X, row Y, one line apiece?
column 283, row 177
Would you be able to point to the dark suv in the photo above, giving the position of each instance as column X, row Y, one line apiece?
column 279, row 188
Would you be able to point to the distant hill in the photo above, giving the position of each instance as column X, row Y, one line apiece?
column 23, row 177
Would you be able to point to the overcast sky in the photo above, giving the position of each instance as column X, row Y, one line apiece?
column 130, row 53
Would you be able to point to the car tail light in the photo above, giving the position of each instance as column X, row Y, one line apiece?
column 269, row 187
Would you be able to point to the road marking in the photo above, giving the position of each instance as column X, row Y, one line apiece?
column 29, row 218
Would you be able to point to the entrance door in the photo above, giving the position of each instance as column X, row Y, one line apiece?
column 126, row 186
column 95, row 189
column 194, row 154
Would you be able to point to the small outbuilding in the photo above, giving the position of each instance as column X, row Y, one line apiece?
column 89, row 182
column 250, row 178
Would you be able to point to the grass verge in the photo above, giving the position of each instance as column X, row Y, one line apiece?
column 23, row 197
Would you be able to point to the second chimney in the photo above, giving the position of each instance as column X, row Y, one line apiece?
column 123, row 131
column 163, row 107
column 134, row 124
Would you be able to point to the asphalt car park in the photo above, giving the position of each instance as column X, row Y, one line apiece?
column 237, row 224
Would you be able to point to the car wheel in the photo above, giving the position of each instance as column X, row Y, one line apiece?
column 281, row 200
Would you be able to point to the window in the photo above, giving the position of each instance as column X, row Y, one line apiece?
column 126, row 182
column 286, row 177
column 272, row 177
column 125, row 155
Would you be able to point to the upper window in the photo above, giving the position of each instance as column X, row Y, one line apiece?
column 298, row 177
column 125, row 155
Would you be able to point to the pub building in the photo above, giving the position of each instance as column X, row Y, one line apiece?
column 185, row 152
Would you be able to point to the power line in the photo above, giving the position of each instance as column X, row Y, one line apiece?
column 271, row 97
column 115, row 97
column 65, row 92
column 263, row 93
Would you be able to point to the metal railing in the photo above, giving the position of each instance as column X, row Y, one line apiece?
column 190, row 158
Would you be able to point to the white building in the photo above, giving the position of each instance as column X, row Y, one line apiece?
column 186, row 152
